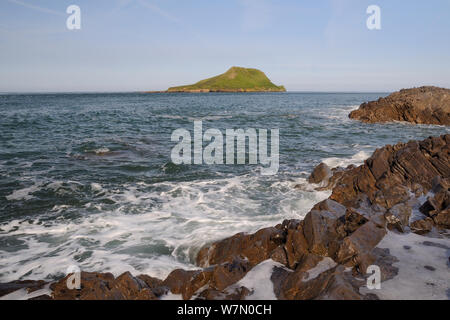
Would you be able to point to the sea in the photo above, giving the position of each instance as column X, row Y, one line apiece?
column 87, row 180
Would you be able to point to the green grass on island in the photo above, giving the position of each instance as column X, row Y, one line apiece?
column 236, row 79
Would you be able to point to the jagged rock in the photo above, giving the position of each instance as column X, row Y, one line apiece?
column 94, row 286
column 185, row 282
column 308, row 262
column 356, row 249
column 226, row 274
column 438, row 184
column 296, row 247
column 216, row 278
column 437, row 207
column 443, row 218
column 430, row 105
column 391, row 196
column 423, row 226
column 337, row 175
column 325, row 177
column 398, row 217
column 340, row 287
column 353, row 183
column 290, row 285
column 103, row 286
column 417, row 189
column 372, row 212
column 320, row 175
column 155, row 284
column 353, row 220
column 30, row 285
column 127, row 287
column 320, row 230
column 386, row 177
column 237, row 294
column 279, row 255
column 255, row 247
column 332, row 206
column 289, row 224
column 330, row 284
column 435, row 204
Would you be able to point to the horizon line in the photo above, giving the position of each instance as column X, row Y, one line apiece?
column 164, row 92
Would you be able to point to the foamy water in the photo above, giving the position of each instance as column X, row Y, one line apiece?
column 156, row 238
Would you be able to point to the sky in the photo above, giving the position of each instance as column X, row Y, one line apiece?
column 138, row 45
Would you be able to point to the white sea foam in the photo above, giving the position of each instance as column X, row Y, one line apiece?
column 102, row 150
column 171, row 296
column 258, row 281
column 414, row 281
column 24, row 194
column 200, row 118
column 23, row 294
column 337, row 113
column 324, row 265
column 356, row 159
column 153, row 229
column 96, row 187
column 38, row 185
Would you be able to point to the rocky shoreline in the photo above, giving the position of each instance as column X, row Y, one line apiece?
column 400, row 191
column 424, row 105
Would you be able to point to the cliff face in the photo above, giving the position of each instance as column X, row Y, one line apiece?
column 236, row 79
column 424, row 105
column 401, row 191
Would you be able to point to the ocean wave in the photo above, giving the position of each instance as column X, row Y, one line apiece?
column 337, row 113
column 197, row 118
column 23, row 194
column 153, row 228
column 357, row 159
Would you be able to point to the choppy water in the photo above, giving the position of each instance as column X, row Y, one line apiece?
column 86, row 179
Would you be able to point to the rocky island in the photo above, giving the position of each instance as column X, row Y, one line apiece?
column 236, row 79
column 424, row 105
column 392, row 212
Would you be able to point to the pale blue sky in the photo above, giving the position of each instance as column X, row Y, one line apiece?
column 134, row 45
